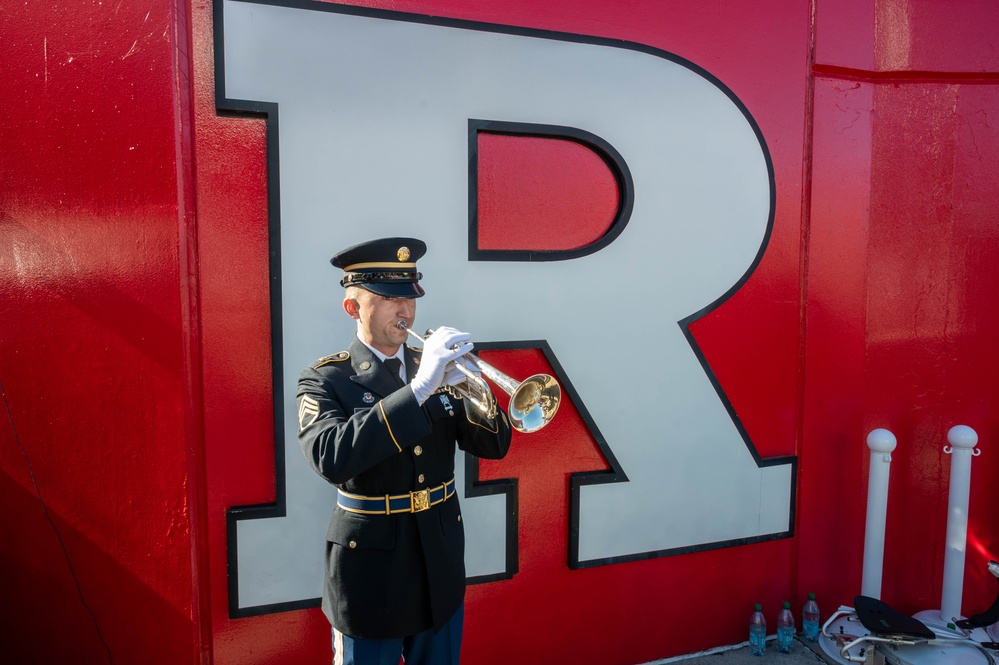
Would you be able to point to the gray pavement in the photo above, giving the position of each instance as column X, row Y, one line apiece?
column 801, row 654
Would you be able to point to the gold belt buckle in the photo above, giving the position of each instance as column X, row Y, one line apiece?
column 420, row 500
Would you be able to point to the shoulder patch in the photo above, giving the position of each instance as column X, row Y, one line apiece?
column 415, row 349
column 332, row 358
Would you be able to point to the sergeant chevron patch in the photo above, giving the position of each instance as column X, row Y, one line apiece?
column 308, row 410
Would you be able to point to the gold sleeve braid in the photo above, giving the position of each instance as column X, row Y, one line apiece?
column 389, row 427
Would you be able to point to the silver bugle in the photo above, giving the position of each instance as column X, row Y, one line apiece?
column 533, row 401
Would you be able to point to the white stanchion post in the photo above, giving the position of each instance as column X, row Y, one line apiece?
column 962, row 441
column 882, row 443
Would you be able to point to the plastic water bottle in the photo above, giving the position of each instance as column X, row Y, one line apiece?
column 757, row 632
column 785, row 629
column 810, row 619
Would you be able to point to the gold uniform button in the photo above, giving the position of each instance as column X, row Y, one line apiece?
column 459, row 518
column 420, row 478
column 418, row 450
column 352, row 544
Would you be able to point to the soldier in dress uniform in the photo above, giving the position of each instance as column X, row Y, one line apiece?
column 375, row 421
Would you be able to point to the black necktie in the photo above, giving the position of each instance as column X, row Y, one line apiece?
column 394, row 365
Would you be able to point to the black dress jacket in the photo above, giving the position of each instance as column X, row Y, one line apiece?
column 389, row 576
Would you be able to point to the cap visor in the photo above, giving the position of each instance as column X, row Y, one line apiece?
column 397, row 290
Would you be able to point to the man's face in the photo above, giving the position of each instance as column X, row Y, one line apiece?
column 377, row 317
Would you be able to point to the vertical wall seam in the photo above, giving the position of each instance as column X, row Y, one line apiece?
column 190, row 314
column 808, row 151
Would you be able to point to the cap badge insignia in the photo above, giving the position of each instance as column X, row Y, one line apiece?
column 403, row 254
column 368, row 398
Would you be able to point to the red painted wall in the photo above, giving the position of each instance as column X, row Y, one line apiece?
column 96, row 486
column 135, row 341
column 902, row 258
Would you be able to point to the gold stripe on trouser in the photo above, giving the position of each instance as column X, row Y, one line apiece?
column 337, row 647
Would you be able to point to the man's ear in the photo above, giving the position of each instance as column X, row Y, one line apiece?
column 352, row 308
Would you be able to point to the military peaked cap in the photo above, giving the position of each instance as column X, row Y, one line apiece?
column 386, row 266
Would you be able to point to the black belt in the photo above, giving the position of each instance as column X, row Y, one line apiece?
column 393, row 504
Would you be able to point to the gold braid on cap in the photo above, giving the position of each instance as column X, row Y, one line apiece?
column 364, row 277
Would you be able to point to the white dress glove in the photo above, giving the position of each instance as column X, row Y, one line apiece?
column 454, row 376
column 437, row 353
